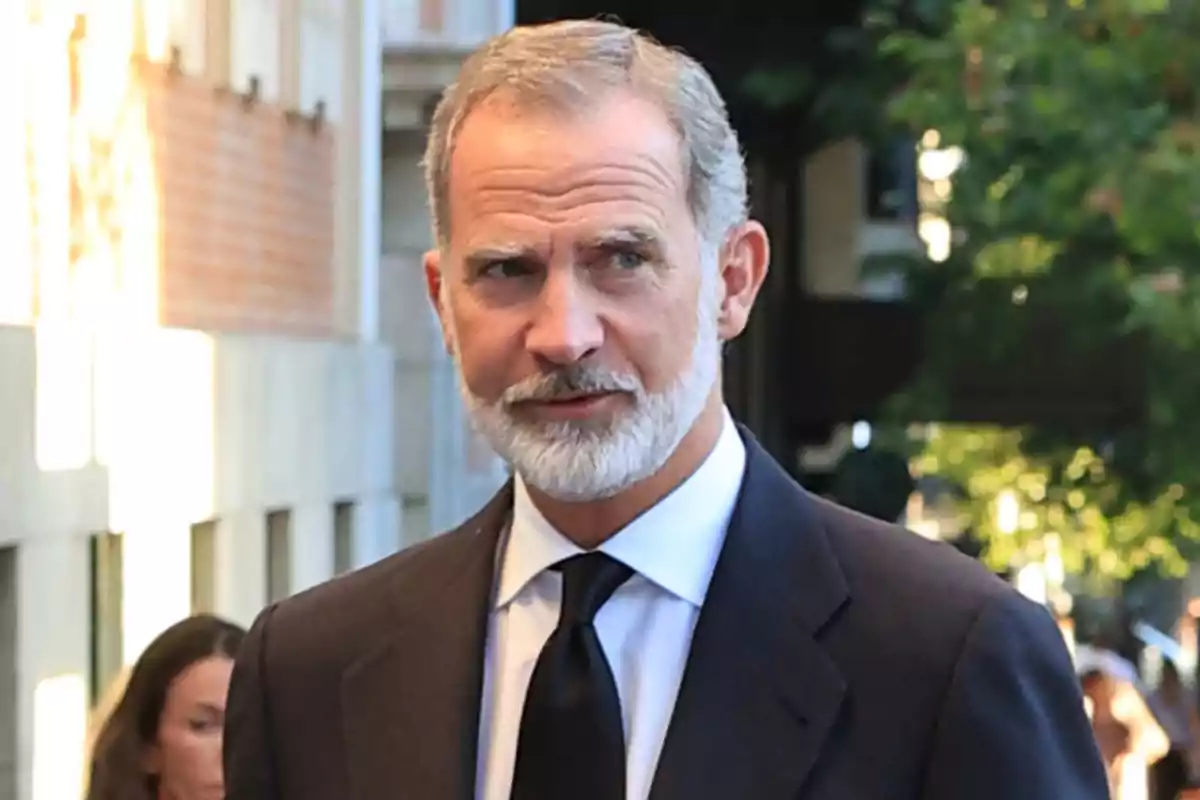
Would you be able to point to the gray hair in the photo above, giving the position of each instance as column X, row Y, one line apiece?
column 564, row 65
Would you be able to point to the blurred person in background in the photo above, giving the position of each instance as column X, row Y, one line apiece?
column 1127, row 733
column 1175, row 708
column 162, row 739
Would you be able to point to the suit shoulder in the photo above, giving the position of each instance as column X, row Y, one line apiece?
column 914, row 605
column 885, row 558
column 347, row 612
column 914, row 600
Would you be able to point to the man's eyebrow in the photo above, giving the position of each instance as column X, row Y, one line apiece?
column 625, row 235
column 492, row 253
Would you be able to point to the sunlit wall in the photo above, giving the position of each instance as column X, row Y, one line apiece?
column 167, row 371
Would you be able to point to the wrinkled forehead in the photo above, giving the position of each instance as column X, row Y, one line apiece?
column 620, row 153
column 620, row 117
column 564, row 103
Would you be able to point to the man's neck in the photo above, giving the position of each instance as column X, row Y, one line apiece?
column 590, row 524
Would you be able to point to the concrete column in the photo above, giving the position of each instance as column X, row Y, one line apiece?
column 241, row 571
column 19, row 479
column 432, row 436
column 156, row 576
column 290, row 15
column 52, row 669
column 376, row 420
column 833, row 212
column 411, row 329
column 156, row 581
column 377, row 529
column 359, row 135
column 415, row 520
column 312, row 545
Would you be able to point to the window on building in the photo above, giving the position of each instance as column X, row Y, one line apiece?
column 891, row 185
column 204, row 567
column 107, row 627
column 8, row 672
column 343, row 537
column 279, row 555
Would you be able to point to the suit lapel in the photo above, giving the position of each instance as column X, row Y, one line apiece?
column 759, row 694
column 411, row 707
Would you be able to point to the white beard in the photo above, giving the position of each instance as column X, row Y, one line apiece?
column 589, row 460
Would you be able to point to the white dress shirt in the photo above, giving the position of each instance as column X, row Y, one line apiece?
column 645, row 629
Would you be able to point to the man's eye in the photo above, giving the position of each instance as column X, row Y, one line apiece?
column 508, row 268
column 628, row 259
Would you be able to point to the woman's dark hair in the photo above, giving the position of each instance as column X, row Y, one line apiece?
column 118, row 758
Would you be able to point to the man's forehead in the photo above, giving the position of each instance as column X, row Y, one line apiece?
column 619, row 124
column 529, row 177
column 513, row 106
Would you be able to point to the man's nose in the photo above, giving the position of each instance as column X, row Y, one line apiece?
column 566, row 328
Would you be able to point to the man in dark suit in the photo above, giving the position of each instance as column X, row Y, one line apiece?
column 652, row 608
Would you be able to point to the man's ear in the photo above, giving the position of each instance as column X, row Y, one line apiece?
column 745, row 260
column 433, row 277
column 434, row 286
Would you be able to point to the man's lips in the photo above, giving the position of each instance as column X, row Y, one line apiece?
column 575, row 398
column 575, row 406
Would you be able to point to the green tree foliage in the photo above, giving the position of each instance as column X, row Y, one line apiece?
column 1080, row 122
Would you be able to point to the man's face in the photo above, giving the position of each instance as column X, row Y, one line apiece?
column 575, row 293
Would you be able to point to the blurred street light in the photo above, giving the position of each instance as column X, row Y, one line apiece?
column 860, row 435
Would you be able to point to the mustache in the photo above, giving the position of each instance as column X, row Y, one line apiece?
column 573, row 380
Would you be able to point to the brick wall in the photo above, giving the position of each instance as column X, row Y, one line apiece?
column 158, row 198
column 246, row 199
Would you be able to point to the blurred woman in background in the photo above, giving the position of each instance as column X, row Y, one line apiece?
column 162, row 740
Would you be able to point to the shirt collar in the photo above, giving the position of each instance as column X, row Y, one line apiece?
column 674, row 544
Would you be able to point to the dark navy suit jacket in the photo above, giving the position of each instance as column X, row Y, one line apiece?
column 835, row 658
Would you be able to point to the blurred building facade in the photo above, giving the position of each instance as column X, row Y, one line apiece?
column 444, row 471
column 220, row 381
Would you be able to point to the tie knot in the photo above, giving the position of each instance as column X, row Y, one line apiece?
column 589, row 580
